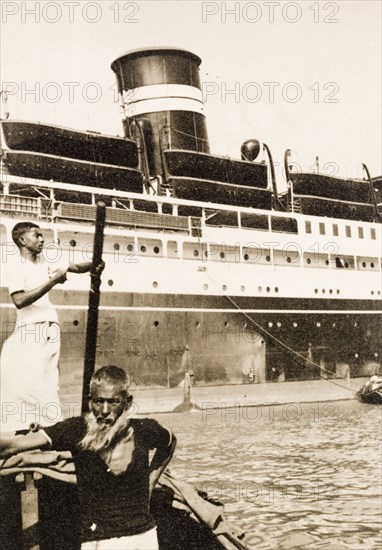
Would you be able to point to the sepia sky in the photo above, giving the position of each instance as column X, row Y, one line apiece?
column 302, row 75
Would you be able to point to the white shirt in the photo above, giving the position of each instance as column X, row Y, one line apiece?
column 24, row 275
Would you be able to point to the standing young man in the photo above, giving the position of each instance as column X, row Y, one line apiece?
column 29, row 359
column 115, row 477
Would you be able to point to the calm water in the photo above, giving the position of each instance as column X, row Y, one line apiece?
column 290, row 476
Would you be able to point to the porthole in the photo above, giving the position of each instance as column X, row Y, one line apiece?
column 224, row 287
column 372, row 265
column 206, row 253
column 130, row 247
column 355, row 324
column 245, row 324
column 323, row 291
column 196, row 253
column 338, row 291
column 205, row 287
column 295, row 324
column 363, row 264
column 222, row 255
column 156, row 250
column 116, row 246
column 333, row 325
column 73, row 243
column 156, row 323
column 372, row 292
column 226, row 324
column 326, row 262
column 331, row 291
column 308, row 261
column 76, row 323
column 276, row 289
column 246, row 257
column 278, row 324
column 356, row 355
column 155, row 284
column 197, row 324
column 268, row 288
column 318, row 324
column 143, row 248
column 260, row 288
column 316, row 290
column 110, row 282
column 288, row 260
column 346, row 265
column 242, row 288
column 268, row 258
column 270, row 324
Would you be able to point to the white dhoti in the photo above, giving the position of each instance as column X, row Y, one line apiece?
column 143, row 541
column 30, row 377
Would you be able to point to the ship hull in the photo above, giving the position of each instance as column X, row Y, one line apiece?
column 157, row 338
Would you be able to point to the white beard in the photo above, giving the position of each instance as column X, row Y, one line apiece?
column 101, row 437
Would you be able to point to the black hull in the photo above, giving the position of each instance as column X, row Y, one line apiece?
column 69, row 143
column 373, row 398
column 148, row 334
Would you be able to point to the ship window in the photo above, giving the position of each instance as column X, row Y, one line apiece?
column 360, row 232
column 285, row 225
column 166, row 208
column 191, row 251
column 348, row 230
column 335, row 230
column 308, row 227
column 172, row 249
column 221, row 218
column 372, row 233
column 145, row 206
column 322, row 228
column 194, row 211
column 254, row 221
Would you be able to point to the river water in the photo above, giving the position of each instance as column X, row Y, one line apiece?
column 292, row 476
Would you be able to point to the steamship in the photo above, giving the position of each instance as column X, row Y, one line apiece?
column 210, row 269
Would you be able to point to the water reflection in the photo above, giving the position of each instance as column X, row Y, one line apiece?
column 291, row 476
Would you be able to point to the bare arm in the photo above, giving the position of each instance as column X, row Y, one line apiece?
column 23, row 298
column 84, row 267
column 12, row 445
column 159, row 462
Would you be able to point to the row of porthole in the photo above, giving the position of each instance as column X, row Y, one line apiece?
column 295, row 325
column 245, row 325
column 110, row 282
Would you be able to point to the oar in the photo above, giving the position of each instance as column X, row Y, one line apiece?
column 94, row 298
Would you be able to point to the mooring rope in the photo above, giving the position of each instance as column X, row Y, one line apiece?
column 283, row 344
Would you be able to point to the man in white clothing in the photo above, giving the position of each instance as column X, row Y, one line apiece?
column 29, row 358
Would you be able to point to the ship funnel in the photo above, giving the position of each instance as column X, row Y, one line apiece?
column 250, row 150
column 162, row 85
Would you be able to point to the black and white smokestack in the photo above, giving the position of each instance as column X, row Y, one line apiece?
column 162, row 85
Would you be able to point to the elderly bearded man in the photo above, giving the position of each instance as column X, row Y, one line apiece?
column 111, row 454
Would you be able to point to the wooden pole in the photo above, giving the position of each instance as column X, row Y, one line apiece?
column 94, row 299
